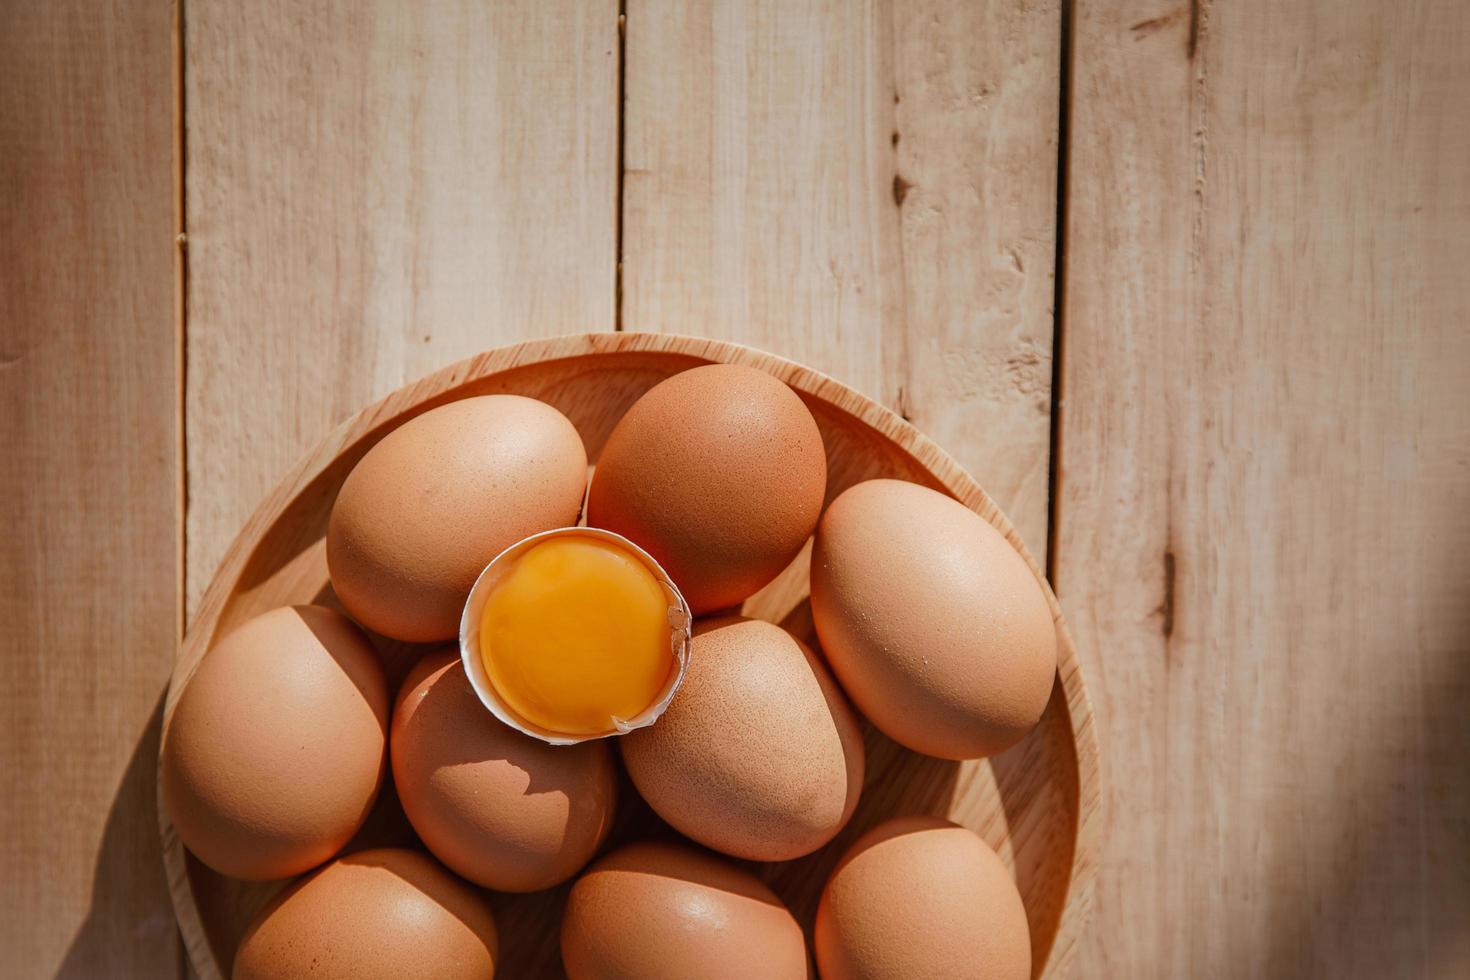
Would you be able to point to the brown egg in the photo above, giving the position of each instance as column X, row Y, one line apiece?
column 758, row 755
column 375, row 914
column 274, row 753
column 936, row 627
column 921, row 897
column 425, row 510
column 667, row 912
column 504, row 810
column 719, row 473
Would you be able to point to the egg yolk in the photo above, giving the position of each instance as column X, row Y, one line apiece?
column 576, row 636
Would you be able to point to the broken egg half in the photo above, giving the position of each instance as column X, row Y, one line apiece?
column 575, row 634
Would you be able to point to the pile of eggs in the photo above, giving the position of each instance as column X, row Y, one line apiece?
column 930, row 625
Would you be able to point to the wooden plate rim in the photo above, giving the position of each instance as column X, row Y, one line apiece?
column 805, row 380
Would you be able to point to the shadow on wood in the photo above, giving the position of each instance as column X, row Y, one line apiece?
column 1410, row 820
column 120, row 922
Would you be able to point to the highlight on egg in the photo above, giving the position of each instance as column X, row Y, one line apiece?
column 759, row 756
column 428, row 507
column 919, row 896
column 275, row 750
column 937, row 628
column 719, row 472
column 374, row 915
column 660, row 911
column 500, row 808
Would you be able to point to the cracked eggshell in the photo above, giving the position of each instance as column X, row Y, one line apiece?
column 424, row 511
column 660, row 911
column 680, row 621
column 921, row 897
column 374, row 914
column 719, row 473
column 274, row 753
column 936, row 627
column 500, row 808
column 759, row 756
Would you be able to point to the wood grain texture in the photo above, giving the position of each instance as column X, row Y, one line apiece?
column 866, row 188
column 1036, row 803
column 89, row 482
column 374, row 190
column 1264, row 514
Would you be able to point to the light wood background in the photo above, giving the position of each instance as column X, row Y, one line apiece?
column 1244, row 442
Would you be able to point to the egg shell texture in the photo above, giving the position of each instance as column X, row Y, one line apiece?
column 504, row 810
column 427, row 508
column 937, row 628
column 719, row 473
column 384, row 914
column 656, row 911
column 275, row 750
column 919, row 898
column 758, row 755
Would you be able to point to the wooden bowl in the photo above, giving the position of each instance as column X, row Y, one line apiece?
column 1037, row 804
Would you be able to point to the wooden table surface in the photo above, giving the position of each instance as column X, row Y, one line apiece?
column 1184, row 283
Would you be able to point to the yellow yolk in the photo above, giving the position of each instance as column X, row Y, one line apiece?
column 577, row 634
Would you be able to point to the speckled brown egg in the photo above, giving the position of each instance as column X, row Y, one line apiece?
column 376, row 914
column 919, row 898
column 425, row 510
column 654, row 911
column 758, row 755
column 936, row 627
column 504, row 810
column 719, row 473
column 274, row 753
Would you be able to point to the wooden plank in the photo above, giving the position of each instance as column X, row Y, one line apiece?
column 866, row 188
column 89, row 592
column 373, row 191
column 1264, row 507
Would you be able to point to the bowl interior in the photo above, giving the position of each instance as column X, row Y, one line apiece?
column 1024, row 802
